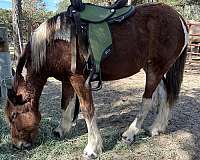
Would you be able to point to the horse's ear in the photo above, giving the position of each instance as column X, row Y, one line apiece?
column 18, row 81
column 11, row 95
column 13, row 72
column 8, row 110
column 14, row 98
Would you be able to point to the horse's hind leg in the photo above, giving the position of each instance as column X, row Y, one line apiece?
column 94, row 146
column 134, row 128
column 68, row 107
column 160, row 99
column 151, row 83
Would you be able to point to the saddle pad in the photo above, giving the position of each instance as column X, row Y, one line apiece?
column 98, row 19
column 121, row 14
column 95, row 14
column 100, row 41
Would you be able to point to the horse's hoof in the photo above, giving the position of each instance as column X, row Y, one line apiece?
column 152, row 132
column 128, row 137
column 89, row 153
column 89, row 156
column 58, row 133
column 128, row 140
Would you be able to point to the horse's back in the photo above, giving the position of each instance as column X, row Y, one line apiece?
column 153, row 34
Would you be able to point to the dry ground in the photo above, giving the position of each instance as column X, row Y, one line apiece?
column 116, row 104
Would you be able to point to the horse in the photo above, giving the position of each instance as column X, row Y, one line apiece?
column 154, row 39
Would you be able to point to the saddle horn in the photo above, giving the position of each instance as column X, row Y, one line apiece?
column 77, row 5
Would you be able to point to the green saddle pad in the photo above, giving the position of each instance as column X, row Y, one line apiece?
column 100, row 41
column 98, row 19
column 97, row 14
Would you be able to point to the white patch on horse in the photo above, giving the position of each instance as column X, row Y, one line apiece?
column 134, row 128
column 94, row 146
column 186, row 35
column 63, row 30
column 67, row 118
column 38, row 46
column 58, row 23
column 155, row 97
column 160, row 100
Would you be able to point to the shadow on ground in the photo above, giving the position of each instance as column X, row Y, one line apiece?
column 117, row 105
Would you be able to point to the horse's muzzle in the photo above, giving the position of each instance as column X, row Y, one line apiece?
column 22, row 145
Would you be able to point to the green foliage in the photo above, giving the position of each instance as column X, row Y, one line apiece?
column 33, row 13
column 6, row 18
column 194, row 2
column 62, row 5
column 188, row 8
column 34, row 10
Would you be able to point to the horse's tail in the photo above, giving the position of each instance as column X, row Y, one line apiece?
column 174, row 78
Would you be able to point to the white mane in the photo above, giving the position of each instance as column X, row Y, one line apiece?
column 43, row 34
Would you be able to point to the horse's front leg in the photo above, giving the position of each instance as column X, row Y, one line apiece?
column 68, row 107
column 94, row 146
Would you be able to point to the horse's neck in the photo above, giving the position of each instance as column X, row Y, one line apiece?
column 34, row 89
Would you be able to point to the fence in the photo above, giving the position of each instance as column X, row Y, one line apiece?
column 5, row 64
column 194, row 42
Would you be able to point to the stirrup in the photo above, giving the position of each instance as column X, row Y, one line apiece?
column 88, row 82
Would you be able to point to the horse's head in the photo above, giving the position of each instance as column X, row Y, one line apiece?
column 21, row 115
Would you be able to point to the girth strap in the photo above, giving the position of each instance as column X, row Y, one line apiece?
column 73, row 49
column 75, row 30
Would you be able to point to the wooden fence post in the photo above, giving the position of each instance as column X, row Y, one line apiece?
column 5, row 64
column 3, row 39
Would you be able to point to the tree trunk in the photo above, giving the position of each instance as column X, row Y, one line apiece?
column 129, row 2
column 17, row 27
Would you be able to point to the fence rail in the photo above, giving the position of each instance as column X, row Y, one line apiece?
column 194, row 43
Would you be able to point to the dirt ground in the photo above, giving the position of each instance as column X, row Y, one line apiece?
column 117, row 105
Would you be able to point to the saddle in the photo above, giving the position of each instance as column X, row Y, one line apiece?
column 95, row 21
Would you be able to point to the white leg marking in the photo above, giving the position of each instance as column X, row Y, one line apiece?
column 186, row 35
column 155, row 98
column 135, row 126
column 162, row 118
column 94, row 146
column 67, row 118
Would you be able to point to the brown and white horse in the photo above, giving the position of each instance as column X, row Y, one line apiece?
column 153, row 39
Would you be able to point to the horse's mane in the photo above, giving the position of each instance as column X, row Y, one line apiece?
column 57, row 27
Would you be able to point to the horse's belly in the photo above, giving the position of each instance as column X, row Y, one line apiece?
column 118, row 70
